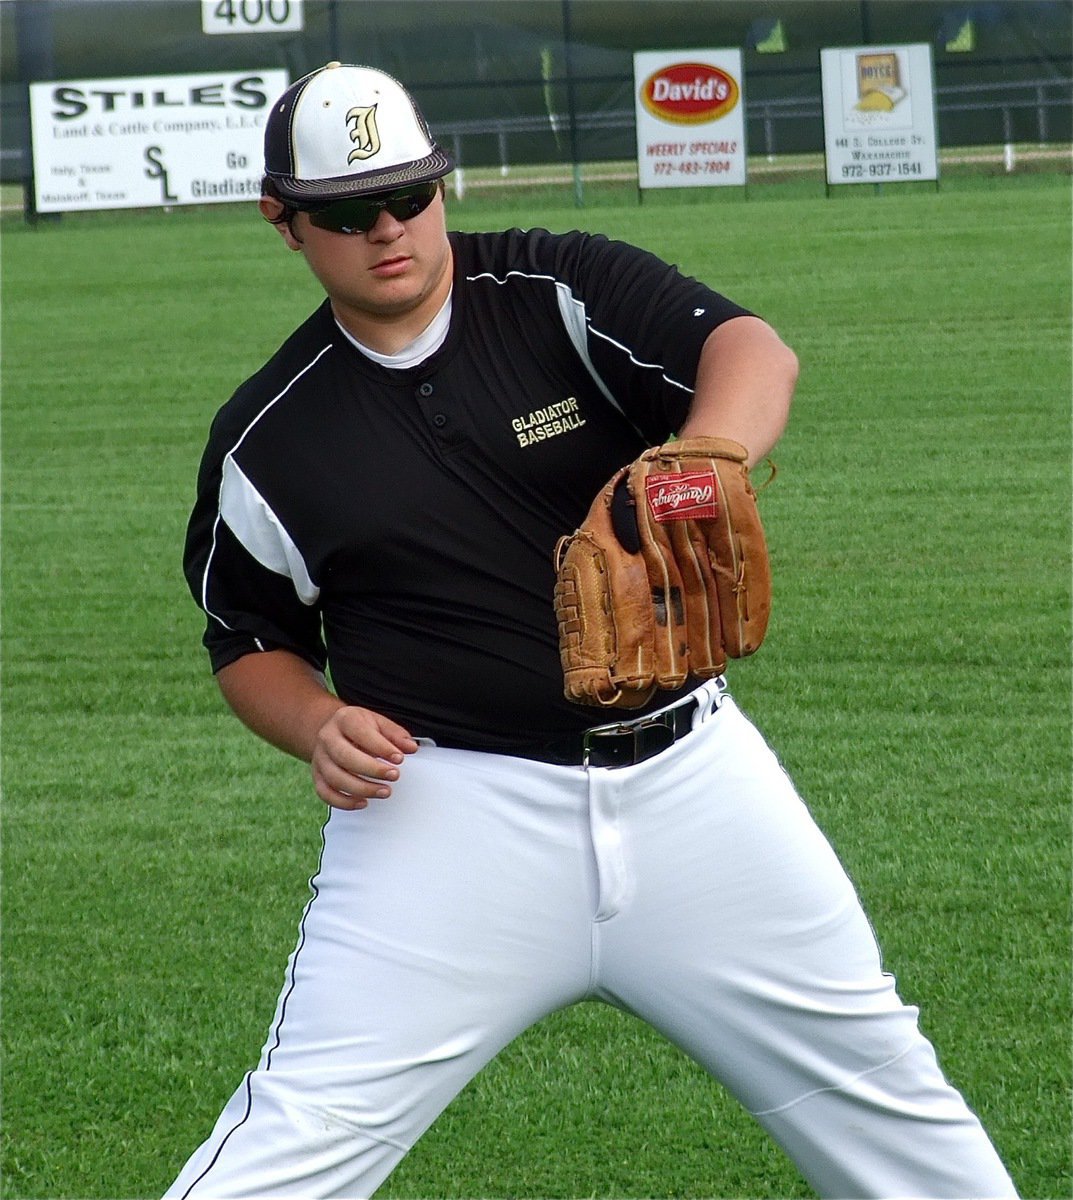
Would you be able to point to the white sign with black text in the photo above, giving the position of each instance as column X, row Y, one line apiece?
column 690, row 118
column 150, row 142
column 252, row 16
column 879, row 114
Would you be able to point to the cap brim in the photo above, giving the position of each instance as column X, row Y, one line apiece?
column 421, row 170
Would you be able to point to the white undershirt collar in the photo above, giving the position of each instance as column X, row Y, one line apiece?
column 427, row 342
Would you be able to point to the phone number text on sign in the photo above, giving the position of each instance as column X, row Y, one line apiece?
column 692, row 166
column 882, row 170
column 681, row 158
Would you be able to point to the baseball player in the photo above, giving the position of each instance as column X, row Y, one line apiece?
column 383, row 500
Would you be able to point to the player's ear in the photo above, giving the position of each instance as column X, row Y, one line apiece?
column 275, row 213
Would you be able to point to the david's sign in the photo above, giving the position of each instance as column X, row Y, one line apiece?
column 690, row 118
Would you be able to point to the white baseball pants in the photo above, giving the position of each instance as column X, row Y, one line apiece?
column 693, row 890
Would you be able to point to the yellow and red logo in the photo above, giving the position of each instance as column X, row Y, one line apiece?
column 689, row 93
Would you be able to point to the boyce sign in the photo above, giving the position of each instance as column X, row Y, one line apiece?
column 879, row 114
column 150, row 142
column 690, row 118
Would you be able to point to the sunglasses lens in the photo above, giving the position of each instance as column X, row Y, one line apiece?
column 359, row 215
column 346, row 216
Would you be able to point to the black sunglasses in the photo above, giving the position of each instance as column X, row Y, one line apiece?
column 359, row 214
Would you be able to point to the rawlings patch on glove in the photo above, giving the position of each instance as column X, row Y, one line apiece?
column 666, row 578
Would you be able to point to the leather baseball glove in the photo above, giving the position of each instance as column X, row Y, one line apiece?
column 667, row 577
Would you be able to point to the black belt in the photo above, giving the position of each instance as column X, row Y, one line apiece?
column 619, row 744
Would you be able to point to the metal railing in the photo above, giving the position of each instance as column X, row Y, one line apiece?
column 1040, row 95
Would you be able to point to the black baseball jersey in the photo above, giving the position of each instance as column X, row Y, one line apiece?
column 399, row 526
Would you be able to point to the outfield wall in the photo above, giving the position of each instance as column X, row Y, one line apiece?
column 511, row 82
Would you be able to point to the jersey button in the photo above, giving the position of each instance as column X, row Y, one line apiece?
column 439, row 420
column 426, row 389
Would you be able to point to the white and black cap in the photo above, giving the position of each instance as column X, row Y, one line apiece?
column 345, row 131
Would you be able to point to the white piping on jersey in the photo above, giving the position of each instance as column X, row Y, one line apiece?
column 576, row 323
column 637, row 362
column 205, row 579
column 283, row 391
column 229, row 457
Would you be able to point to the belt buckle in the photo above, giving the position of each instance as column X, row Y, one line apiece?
column 618, row 728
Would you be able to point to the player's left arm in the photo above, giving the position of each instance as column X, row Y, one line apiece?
column 745, row 383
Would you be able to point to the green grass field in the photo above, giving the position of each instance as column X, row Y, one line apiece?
column 915, row 681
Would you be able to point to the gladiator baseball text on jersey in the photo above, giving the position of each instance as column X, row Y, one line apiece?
column 548, row 422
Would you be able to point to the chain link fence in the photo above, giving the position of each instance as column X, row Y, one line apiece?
column 513, row 82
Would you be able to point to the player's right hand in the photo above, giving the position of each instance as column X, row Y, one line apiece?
column 357, row 756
